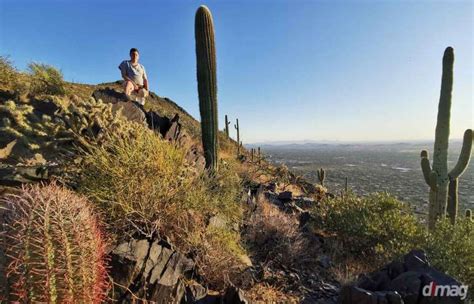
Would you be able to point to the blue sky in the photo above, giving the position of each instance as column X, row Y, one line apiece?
column 289, row 70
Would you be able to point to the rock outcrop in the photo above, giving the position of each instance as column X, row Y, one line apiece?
column 401, row 282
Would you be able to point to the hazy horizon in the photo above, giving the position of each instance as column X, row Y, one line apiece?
column 329, row 141
column 302, row 70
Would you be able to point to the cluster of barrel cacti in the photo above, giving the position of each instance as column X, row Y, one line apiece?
column 443, row 198
column 207, row 83
column 53, row 246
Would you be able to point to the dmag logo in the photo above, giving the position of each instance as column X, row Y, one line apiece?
column 434, row 290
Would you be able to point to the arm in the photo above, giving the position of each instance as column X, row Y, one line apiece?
column 145, row 83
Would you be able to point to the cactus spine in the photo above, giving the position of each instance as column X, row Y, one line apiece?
column 239, row 143
column 321, row 176
column 54, row 248
column 438, row 177
column 227, row 123
column 207, row 83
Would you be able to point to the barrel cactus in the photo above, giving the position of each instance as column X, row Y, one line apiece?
column 437, row 176
column 53, row 246
column 207, row 83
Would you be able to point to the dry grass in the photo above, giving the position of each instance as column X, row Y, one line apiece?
column 264, row 293
column 274, row 237
column 145, row 185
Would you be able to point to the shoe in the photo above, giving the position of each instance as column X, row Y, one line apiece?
column 140, row 100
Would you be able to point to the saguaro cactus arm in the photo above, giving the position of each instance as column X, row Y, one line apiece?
column 464, row 157
column 430, row 176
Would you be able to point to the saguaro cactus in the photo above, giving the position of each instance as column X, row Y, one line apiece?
column 54, row 249
column 207, row 83
column 237, row 128
column 321, row 176
column 468, row 214
column 227, row 123
column 437, row 177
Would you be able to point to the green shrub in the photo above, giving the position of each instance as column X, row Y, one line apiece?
column 8, row 73
column 137, row 177
column 376, row 224
column 144, row 185
column 46, row 79
column 450, row 248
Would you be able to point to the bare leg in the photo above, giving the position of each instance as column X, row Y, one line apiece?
column 128, row 88
column 142, row 94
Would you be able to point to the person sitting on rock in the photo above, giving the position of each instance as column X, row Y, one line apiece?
column 134, row 76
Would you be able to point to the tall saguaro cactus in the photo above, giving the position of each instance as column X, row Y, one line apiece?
column 207, row 83
column 227, row 123
column 236, row 126
column 437, row 177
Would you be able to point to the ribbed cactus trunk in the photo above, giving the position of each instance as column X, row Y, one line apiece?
column 452, row 208
column 437, row 177
column 440, row 154
column 207, row 84
column 227, row 123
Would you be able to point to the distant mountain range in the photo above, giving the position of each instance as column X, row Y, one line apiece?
column 317, row 143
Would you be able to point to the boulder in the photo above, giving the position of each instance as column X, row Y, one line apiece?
column 401, row 282
column 130, row 111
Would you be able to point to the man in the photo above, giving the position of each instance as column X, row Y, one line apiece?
column 134, row 76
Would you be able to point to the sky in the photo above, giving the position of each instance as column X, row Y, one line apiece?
column 288, row 70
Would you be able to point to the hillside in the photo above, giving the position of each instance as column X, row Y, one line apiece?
column 104, row 200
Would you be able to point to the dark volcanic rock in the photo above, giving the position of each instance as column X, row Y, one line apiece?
column 130, row 111
column 285, row 196
column 400, row 283
column 149, row 269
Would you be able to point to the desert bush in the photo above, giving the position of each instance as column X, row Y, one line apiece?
column 144, row 184
column 219, row 257
column 377, row 224
column 8, row 73
column 450, row 248
column 135, row 177
column 53, row 246
column 46, row 79
column 274, row 236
